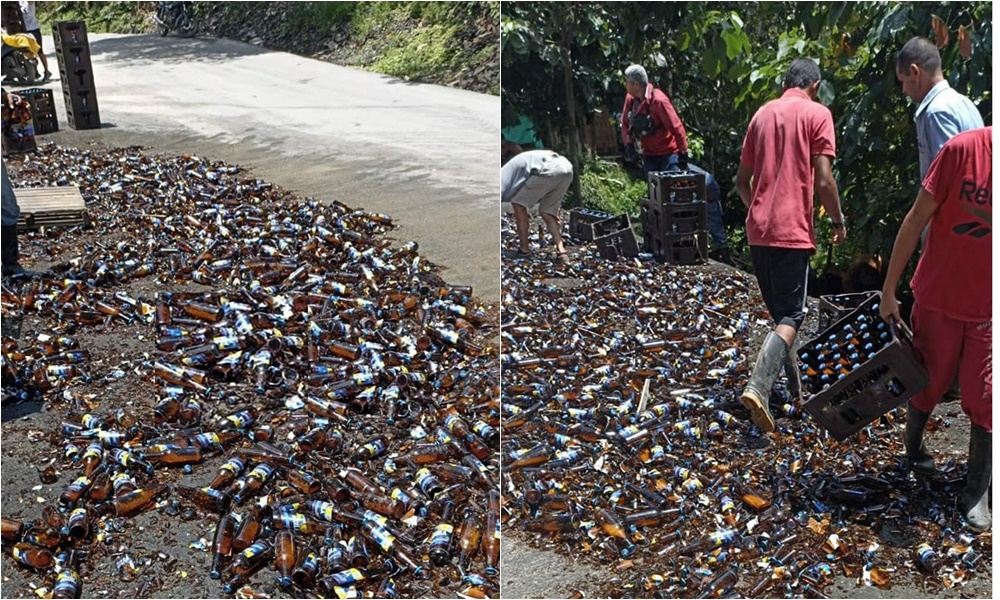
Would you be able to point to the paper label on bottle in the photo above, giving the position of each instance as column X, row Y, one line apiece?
column 383, row 538
column 348, row 577
column 442, row 534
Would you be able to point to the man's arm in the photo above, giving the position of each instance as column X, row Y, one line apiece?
column 743, row 176
column 906, row 243
column 941, row 127
column 626, row 139
column 664, row 113
column 829, row 197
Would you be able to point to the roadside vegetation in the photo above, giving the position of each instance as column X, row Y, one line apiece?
column 449, row 43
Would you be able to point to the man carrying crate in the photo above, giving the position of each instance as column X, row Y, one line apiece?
column 952, row 312
column 788, row 155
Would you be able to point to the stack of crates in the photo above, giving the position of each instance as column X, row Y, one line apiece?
column 77, row 74
column 675, row 217
column 43, row 109
column 858, row 369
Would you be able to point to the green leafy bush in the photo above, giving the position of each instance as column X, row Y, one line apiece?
column 606, row 186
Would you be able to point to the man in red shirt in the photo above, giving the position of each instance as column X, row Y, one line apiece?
column 788, row 152
column 650, row 118
column 953, row 297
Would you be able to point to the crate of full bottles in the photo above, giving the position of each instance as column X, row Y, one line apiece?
column 858, row 369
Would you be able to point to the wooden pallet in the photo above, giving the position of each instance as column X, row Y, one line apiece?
column 50, row 206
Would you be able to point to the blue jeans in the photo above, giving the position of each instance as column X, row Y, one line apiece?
column 715, row 227
column 666, row 162
column 11, row 211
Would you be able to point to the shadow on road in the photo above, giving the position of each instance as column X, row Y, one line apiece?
column 147, row 49
column 11, row 412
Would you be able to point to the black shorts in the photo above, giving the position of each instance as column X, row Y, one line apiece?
column 37, row 34
column 782, row 274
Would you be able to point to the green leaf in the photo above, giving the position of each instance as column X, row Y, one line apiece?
column 733, row 44
column 685, row 41
column 735, row 18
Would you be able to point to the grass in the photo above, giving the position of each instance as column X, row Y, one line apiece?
column 421, row 54
column 606, row 186
column 101, row 17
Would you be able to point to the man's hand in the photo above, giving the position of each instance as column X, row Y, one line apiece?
column 889, row 307
column 839, row 235
column 630, row 154
column 11, row 99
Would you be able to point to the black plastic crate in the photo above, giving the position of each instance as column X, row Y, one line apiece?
column 611, row 225
column 45, row 122
column 76, row 77
column 73, row 57
column 43, row 109
column 673, row 217
column 66, row 33
column 868, row 390
column 677, row 186
column 580, row 221
column 681, row 248
column 687, row 217
column 90, row 119
column 615, row 239
column 40, row 99
column 835, row 307
column 80, row 100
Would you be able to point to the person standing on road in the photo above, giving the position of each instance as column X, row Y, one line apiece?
column 32, row 26
column 536, row 178
column 788, row 153
column 953, row 296
column 649, row 117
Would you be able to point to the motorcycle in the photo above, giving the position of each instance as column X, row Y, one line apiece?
column 175, row 16
column 19, row 60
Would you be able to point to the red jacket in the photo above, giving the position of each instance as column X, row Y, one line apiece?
column 668, row 135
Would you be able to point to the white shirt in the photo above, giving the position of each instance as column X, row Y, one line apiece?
column 30, row 20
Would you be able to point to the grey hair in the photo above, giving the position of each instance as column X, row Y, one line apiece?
column 637, row 74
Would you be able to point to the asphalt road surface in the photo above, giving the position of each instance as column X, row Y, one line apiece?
column 425, row 154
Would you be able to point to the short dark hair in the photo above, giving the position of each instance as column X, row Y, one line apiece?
column 802, row 73
column 921, row 52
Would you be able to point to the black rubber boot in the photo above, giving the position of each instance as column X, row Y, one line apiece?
column 913, row 438
column 976, row 495
column 9, row 250
column 794, row 385
column 770, row 361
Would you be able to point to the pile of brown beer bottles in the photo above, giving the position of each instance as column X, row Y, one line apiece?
column 333, row 393
column 624, row 440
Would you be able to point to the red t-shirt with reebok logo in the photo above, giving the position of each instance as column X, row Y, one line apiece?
column 782, row 138
column 954, row 275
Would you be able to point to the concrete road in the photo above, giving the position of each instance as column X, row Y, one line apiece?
column 425, row 154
